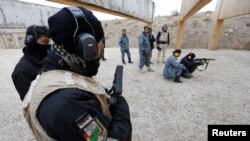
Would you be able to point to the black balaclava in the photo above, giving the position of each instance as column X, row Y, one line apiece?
column 37, row 50
column 191, row 55
column 62, row 26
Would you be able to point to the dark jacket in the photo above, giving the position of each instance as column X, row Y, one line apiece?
column 59, row 111
column 151, row 40
column 190, row 65
column 26, row 71
column 158, row 39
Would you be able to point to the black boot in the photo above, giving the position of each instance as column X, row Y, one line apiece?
column 177, row 79
column 123, row 61
column 129, row 61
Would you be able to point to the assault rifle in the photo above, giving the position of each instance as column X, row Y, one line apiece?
column 116, row 88
column 203, row 61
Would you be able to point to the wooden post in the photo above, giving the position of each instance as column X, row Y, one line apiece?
column 188, row 8
column 194, row 9
column 215, row 36
column 180, row 32
column 226, row 9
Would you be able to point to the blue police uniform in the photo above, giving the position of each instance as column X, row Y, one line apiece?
column 124, row 45
column 144, row 50
column 172, row 68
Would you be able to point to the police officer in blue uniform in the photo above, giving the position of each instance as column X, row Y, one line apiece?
column 124, row 46
column 144, row 50
column 173, row 68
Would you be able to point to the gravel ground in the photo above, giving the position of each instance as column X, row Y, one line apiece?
column 160, row 109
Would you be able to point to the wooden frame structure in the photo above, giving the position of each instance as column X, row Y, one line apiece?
column 188, row 8
column 224, row 9
column 104, row 7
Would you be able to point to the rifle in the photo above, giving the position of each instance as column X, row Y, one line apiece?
column 202, row 61
column 116, row 88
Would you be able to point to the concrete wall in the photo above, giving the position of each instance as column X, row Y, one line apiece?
column 16, row 16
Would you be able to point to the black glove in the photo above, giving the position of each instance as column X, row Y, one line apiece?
column 120, row 127
column 120, row 107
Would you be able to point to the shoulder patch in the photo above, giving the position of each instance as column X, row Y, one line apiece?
column 90, row 128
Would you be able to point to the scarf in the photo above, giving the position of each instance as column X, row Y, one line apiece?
column 78, row 65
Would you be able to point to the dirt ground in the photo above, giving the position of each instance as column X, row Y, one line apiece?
column 160, row 109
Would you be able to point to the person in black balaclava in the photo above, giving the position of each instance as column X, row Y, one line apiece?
column 190, row 65
column 37, row 42
column 66, row 103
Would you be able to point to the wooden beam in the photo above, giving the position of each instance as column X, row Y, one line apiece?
column 217, row 27
column 180, row 32
column 234, row 8
column 196, row 8
column 215, row 36
column 226, row 9
column 97, row 8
